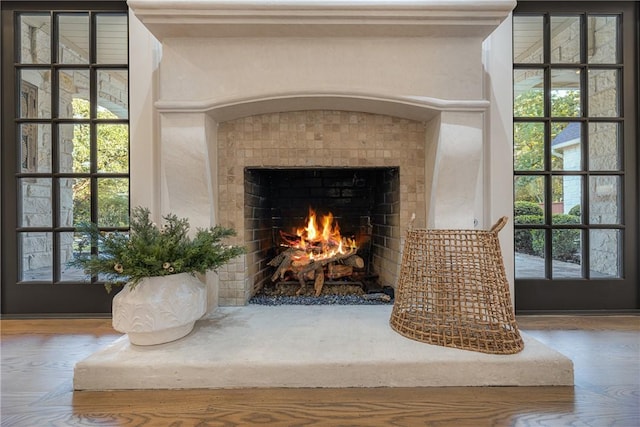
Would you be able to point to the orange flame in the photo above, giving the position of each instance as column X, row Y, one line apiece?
column 322, row 243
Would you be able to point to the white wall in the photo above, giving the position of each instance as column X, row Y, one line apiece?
column 236, row 68
column 498, row 161
column 144, row 55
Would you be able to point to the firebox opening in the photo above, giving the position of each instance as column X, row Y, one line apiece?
column 364, row 202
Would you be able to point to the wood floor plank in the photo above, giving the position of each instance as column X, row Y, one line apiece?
column 38, row 358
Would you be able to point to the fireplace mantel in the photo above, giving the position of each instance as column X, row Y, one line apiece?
column 413, row 108
column 315, row 18
column 322, row 84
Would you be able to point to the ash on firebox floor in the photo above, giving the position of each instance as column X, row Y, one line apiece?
column 341, row 294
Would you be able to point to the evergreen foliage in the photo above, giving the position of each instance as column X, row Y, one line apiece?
column 576, row 211
column 148, row 251
column 523, row 238
column 527, row 208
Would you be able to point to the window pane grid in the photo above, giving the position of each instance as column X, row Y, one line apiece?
column 65, row 120
column 567, row 150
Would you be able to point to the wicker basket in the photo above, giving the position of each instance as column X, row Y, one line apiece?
column 453, row 291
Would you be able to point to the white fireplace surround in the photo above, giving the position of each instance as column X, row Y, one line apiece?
column 422, row 60
column 440, row 68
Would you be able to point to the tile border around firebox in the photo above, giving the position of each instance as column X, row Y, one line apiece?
column 316, row 139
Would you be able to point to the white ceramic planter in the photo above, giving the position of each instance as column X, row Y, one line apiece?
column 159, row 309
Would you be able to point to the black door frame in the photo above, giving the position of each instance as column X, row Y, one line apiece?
column 609, row 295
column 33, row 299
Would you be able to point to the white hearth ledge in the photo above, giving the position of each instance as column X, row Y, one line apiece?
column 311, row 346
column 231, row 18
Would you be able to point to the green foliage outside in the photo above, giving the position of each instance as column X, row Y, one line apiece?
column 529, row 155
column 565, row 243
column 112, row 156
column 529, row 141
column 576, row 211
column 527, row 208
column 148, row 251
column 526, row 213
column 523, row 239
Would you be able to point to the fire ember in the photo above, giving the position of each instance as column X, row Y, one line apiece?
column 315, row 253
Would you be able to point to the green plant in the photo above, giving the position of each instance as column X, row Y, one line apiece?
column 576, row 211
column 565, row 242
column 148, row 250
column 527, row 208
column 523, row 239
column 113, row 156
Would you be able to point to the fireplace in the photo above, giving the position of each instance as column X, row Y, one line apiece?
column 250, row 90
column 413, row 95
column 361, row 205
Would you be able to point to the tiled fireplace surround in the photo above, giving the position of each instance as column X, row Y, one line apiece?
column 310, row 85
column 315, row 141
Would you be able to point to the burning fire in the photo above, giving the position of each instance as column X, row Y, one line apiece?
column 318, row 243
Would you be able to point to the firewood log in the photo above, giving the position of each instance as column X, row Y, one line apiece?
column 303, row 284
column 277, row 260
column 285, row 260
column 313, row 265
column 282, row 269
column 319, row 282
column 300, row 262
column 289, row 239
column 289, row 253
column 354, row 261
column 335, row 271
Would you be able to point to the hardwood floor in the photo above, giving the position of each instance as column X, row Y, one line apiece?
column 37, row 371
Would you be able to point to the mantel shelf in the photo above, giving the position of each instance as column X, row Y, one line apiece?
column 314, row 18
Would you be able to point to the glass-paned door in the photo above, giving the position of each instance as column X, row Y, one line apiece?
column 65, row 145
column 575, row 164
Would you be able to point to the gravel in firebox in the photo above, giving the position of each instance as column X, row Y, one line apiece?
column 320, row 300
column 289, row 293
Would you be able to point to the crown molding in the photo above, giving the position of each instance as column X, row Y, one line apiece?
column 315, row 18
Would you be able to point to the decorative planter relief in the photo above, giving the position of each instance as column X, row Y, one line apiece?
column 159, row 309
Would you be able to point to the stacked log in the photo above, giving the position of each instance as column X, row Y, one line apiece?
column 304, row 268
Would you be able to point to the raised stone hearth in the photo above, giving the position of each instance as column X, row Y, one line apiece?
column 311, row 346
column 248, row 86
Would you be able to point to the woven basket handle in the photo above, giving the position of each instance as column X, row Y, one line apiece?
column 499, row 225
